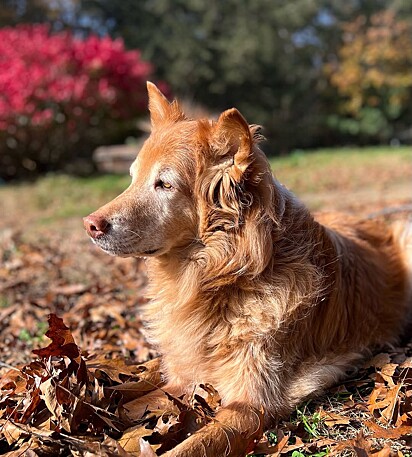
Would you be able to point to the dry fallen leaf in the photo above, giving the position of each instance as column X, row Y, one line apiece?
column 378, row 361
column 131, row 439
column 386, row 405
column 146, row 450
column 331, row 419
column 62, row 341
column 389, row 433
column 387, row 372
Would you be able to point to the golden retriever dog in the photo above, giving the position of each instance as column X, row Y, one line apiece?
column 249, row 292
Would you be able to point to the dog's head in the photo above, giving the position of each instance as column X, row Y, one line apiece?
column 197, row 186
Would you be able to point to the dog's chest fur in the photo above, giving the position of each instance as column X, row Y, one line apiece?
column 214, row 343
column 235, row 337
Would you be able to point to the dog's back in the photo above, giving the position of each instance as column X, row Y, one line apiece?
column 369, row 305
column 373, row 275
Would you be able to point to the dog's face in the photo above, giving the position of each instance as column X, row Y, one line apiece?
column 192, row 182
column 156, row 212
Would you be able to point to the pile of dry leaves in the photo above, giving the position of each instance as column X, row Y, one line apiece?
column 99, row 296
column 68, row 401
column 80, row 394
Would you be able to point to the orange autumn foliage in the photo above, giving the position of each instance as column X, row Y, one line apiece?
column 374, row 64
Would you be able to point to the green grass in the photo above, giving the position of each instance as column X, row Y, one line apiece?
column 326, row 156
column 4, row 302
column 59, row 197
column 311, row 421
column 36, row 337
column 348, row 168
column 76, row 195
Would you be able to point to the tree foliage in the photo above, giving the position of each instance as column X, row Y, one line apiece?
column 60, row 96
column 283, row 63
column 373, row 74
column 265, row 57
column 250, row 54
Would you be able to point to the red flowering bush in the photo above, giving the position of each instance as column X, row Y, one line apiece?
column 61, row 96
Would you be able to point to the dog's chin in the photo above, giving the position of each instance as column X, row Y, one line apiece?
column 125, row 251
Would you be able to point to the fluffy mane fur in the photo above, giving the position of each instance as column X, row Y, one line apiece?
column 270, row 305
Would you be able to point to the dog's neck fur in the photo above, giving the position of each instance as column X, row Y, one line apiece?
column 296, row 237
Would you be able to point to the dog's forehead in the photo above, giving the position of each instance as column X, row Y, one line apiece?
column 166, row 145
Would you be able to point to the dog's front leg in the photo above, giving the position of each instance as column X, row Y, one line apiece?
column 234, row 432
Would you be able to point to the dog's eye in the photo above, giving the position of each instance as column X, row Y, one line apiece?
column 163, row 184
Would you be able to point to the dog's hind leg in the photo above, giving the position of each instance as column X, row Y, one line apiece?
column 314, row 377
column 234, row 432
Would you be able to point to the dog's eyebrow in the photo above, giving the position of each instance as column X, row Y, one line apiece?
column 170, row 174
column 167, row 173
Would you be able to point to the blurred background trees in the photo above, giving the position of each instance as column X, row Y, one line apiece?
column 373, row 76
column 313, row 72
column 61, row 97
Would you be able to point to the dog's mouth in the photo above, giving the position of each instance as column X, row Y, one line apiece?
column 151, row 251
column 122, row 250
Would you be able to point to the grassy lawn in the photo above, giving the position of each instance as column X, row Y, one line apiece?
column 340, row 179
column 343, row 169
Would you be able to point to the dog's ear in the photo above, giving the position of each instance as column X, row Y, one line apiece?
column 225, row 156
column 235, row 200
column 161, row 110
column 234, row 141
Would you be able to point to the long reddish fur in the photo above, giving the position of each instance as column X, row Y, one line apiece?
column 279, row 305
column 268, row 303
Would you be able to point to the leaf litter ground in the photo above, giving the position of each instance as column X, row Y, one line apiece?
column 75, row 389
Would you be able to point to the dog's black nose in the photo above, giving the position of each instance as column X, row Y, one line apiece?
column 95, row 225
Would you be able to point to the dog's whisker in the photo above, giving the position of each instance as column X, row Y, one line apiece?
column 134, row 233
